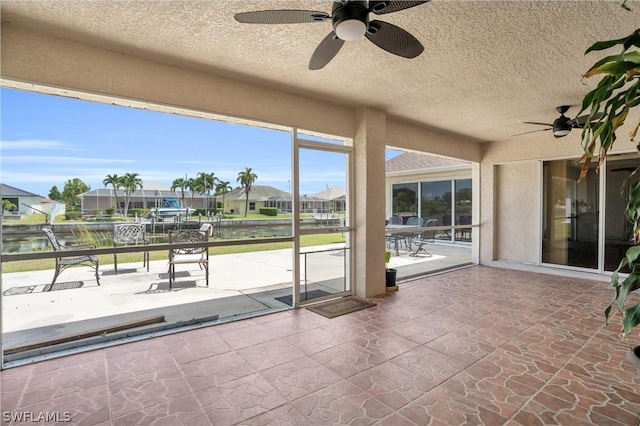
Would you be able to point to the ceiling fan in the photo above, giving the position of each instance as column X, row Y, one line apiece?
column 562, row 125
column 350, row 21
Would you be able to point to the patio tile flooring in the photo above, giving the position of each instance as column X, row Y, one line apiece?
column 478, row 345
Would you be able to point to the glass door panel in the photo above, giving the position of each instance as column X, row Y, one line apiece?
column 436, row 204
column 463, row 206
column 618, row 231
column 324, row 268
column 570, row 215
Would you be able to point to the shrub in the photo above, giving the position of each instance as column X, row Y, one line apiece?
column 109, row 211
column 140, row 212
column 269, row 211
column 72, row 215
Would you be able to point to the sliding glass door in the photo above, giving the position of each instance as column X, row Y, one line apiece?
column 583, row 220
column 618, row 231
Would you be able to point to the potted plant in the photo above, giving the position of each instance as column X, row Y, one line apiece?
column 390, row 272
column 609, row 105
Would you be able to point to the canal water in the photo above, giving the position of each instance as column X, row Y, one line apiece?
column 29, row 242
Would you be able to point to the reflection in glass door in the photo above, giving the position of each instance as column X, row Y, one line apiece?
column 570, row 215
column 321, row 221
column 618, row 231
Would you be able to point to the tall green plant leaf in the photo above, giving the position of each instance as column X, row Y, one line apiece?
column 631, row 319
column 632, row 40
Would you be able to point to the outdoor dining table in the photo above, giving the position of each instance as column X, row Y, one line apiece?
column 397, row 235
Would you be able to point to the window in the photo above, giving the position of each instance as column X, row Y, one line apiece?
column 436, row 201
column 252, row 206
column 463, row 208
column 405, row 199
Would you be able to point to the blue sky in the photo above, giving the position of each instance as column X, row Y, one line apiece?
column 46, row 140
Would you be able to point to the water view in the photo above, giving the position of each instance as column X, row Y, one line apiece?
column 25, row 242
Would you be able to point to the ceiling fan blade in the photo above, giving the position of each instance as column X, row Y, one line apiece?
column 393, row 39
column 390, row 6
column 325, row 52
column 532, row 131
column 538, row 123
column 579, row 122
column 281, row 17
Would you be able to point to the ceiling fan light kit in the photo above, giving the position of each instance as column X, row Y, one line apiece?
column 562, row 126
column 350, row 22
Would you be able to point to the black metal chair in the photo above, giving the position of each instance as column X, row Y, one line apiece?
column 423, row 238
column 392, row 240
column 130, row 233
column 180, row 255
column 409, row 237
column 464, row 233
column 63, row 262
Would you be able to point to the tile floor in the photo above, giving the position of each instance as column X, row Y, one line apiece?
column 475, row 346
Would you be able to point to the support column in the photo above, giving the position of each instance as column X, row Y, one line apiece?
column 487, row 218
column 369, row 199
column 476, row 215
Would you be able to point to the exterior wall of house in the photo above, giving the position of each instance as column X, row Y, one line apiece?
column 102, row 202
column 237, row 206
column 518, row 205
column 511, row 193
column 29, row 201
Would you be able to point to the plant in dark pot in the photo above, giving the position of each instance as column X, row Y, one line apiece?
column 390, row 272
column 608, row 106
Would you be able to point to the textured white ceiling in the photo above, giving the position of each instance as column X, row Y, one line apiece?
column 487, row 65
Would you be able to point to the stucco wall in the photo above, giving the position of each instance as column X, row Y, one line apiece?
column 29, row 56
column 517, row 211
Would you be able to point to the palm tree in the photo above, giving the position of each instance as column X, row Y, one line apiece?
column 207, row 181
column 129, row 182
column 193, row 186
column 223, row 188
column 246, row 179
column 182, row 184
column 113, row 180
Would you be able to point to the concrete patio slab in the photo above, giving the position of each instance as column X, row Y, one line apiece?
column 240, row 284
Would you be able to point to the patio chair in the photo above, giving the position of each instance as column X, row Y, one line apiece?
column 465, row 233
column 63, row 262
column 130, row 233
column 190, row 254
column 207, row 229
column 423, row 237
column 409, row 237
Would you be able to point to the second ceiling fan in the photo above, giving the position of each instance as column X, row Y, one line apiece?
column 350, row 21
column 562, row 125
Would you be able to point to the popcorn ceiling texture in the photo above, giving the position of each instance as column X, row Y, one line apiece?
column 486, row 68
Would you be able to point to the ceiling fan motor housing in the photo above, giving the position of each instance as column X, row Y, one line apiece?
column 562, row 126
column 350, row 20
